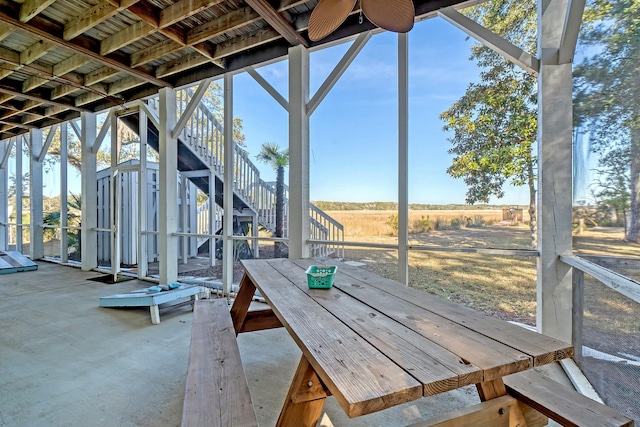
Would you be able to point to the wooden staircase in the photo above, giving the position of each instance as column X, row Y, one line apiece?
column 201, row 147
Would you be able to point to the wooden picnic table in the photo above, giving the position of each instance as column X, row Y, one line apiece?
column 373, row 343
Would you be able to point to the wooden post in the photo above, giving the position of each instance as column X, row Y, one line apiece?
column 168, row 180
column 403, row 158
column 4, row 198
column 578, row 313
column 64, row 199
column 555, row 126
column 298, row 153
column 115, row 196
column 227, row 219
column 19, row 193
column 36, row 247
column 143, row 225
column 88, row 177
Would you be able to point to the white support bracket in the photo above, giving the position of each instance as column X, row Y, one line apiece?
column 268, row 87
column 338, row 71
column 150, row 114
column 7, row 153
column 202, row 173
column 191, row 107
column 47, row 143
column 570, row 32
column 76, row 129
column 103, row 132
column 494, row 42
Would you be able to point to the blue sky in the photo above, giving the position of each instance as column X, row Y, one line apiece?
column 354, row 131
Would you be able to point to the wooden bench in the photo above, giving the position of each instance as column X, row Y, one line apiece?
column 216, row 393
column 533, row 398
column 562, row 404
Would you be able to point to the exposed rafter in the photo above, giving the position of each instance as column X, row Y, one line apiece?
column 47, row 37
column 31, row 8
column 276, row 20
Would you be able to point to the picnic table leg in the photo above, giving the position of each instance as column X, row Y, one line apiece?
column 242, row 302
column 305, row 400
column 519, row 415
column 491, row 389
column 155, row 314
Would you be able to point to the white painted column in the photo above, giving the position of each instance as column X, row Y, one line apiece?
column 227, row 219
column 403, row 158
column 298, row 152
column 115, row 196
column 193, row 218
column 89, row 189
column 4, row 198
column 168, row 180
column 19, row 194
column 554, row 287
column 143, row 257
column 212, row 217
column 36, row 247
column 184, row 214
column 64, row 208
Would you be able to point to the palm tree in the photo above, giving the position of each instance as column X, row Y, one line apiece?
column 271, row 154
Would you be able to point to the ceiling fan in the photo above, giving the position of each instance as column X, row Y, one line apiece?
column 392, row 15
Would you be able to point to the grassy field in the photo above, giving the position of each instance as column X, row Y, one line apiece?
column 499, row 285
column 369, row 223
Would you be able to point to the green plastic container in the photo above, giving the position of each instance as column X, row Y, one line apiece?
column 320, row 276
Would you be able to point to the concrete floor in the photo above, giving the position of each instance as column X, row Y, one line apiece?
column 64, row 361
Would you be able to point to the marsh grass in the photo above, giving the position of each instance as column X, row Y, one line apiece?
column 502, row 286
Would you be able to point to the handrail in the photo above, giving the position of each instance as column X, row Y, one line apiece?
column 204, row 136
column 627, row 287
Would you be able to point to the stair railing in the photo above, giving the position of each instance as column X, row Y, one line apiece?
column 204, row 136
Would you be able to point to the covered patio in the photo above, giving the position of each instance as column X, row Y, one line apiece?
column 147, row 64
column 67, row 361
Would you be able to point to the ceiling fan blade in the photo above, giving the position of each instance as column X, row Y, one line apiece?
column 392, row 15
column 327, row 16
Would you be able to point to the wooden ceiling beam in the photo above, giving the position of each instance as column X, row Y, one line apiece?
column 31, row 8
column 46, row 36
column 277, row 22
column 217, row 27
column 125, row 37
column 99, row 75
column 18, row 60
column 26, row 106
column 181, row 64
column 5, row 31
column 155, row 51
column 37, row 97
column 10, row 125
column 70, row 64
column 184, row 9
column 94, row 16
column 241, row 43
column 35, row 52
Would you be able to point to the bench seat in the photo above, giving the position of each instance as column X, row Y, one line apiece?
column 216, row 393
column 560, row 403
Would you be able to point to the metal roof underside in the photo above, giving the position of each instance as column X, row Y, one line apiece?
column 59, row 58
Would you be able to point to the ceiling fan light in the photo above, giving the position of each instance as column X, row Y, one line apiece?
column 392, row 15
column 327, row 16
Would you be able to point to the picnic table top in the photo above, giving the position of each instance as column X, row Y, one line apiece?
column 376, row 343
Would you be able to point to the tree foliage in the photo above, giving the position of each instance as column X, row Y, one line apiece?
column 278, row 159
column 494, row 124
column 607, row 93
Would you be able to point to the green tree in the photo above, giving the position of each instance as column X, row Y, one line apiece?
column 607, row 91
column 494, row 124
column 612, row 185
column 212, row 99
column 271, row 154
